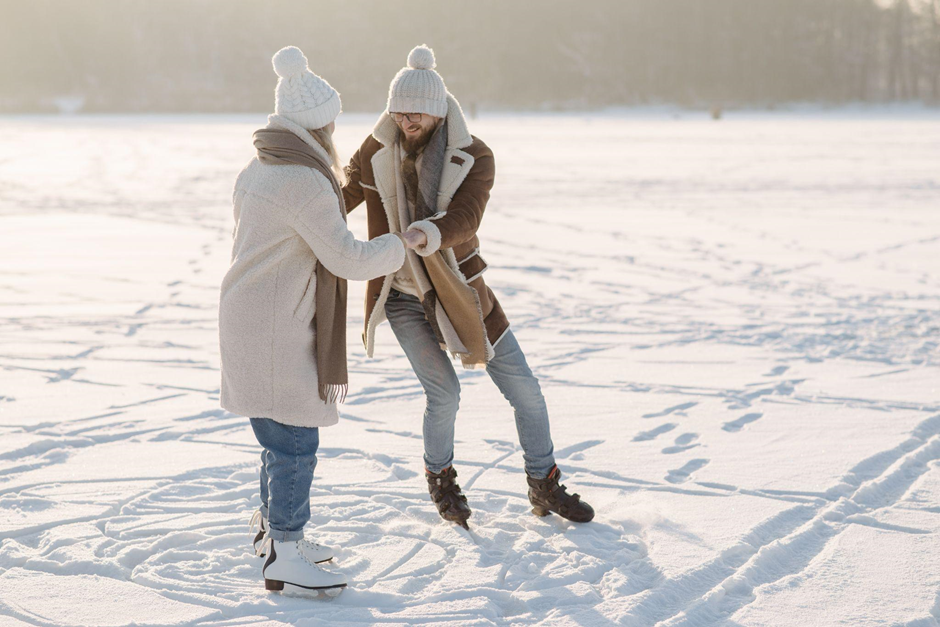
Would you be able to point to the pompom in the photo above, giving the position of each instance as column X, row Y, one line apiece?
column 289, row 61
column 421, row 58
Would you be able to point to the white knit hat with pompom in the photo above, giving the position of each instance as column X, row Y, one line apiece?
column 417, row 88
column 301, row 96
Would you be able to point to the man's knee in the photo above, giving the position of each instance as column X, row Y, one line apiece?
column 444, row 399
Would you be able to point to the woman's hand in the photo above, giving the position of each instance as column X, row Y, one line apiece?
column 414, row 239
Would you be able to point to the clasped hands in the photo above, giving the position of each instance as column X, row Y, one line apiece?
column 413, row 238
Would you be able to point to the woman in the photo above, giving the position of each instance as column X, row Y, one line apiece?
column 282, row 314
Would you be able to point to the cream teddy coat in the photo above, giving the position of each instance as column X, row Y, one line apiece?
column 287, row 219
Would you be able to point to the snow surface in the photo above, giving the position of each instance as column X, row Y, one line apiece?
column 735, row 323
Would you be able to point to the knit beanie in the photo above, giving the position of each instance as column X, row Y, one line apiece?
column 417, row 88
column 301, row 96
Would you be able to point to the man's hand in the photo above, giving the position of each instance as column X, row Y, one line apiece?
column 414, row 238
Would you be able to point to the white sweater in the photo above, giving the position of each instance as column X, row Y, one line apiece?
column 287, row 219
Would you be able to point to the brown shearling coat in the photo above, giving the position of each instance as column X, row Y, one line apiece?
column 466, row 180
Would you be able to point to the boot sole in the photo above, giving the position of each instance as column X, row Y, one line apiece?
column 541, row 511
column 288, row 589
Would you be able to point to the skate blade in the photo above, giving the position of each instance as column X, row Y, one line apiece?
column 459, row 521
column 306, row 593
column 290, row 590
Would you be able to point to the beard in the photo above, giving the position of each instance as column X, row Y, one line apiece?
column 417, row 142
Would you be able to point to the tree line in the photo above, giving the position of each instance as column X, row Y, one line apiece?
column 214, row 55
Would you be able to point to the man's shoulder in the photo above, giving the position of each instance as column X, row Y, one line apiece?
column 478, row 149
column 484, row 164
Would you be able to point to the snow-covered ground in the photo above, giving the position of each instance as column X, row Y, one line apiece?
column 736, row 325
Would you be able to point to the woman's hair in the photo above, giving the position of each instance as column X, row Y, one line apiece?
column 325, row 139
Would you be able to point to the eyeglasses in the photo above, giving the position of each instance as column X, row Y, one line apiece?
column 412, row 117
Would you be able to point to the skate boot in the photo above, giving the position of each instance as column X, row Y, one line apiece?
column 451, row 503
column 287, row 569
column 547, row 496
column 316, row 553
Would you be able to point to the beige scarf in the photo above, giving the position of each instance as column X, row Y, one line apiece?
column 450, row 305
column 282, row 147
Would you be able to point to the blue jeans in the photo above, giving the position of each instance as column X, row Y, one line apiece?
column 508, row 370
column 287, row 463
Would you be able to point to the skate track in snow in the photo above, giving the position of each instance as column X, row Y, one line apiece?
column 735, row 325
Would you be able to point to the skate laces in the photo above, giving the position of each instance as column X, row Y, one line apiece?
column 264, row 547
column 256, row 520
column 303, row 554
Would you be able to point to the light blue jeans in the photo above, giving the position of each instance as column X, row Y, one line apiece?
column 435, row 371
column 288, row 460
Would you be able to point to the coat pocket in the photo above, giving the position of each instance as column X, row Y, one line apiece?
column 304, row 309
column 472, row 266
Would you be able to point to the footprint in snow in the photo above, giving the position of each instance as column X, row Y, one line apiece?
column 736, row 425
column 570, row 451
column 670, row 410
column 683, row 443
column 643, row 436
column 681, row 475
column 779, row 370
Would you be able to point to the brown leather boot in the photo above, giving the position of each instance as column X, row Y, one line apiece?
column 446, row 494
column 547, row 496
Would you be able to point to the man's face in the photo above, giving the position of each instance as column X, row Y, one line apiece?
column 417, row 130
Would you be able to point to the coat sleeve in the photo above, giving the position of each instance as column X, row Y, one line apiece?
column 464, row 213
column 320, row 224
column 352, row 190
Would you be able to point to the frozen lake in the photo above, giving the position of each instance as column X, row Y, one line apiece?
column 736, row 325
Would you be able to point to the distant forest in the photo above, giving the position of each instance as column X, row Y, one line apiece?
column 215, row 55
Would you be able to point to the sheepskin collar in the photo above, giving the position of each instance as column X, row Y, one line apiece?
column 458, row 135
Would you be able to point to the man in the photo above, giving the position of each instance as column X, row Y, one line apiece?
column 421, row 170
